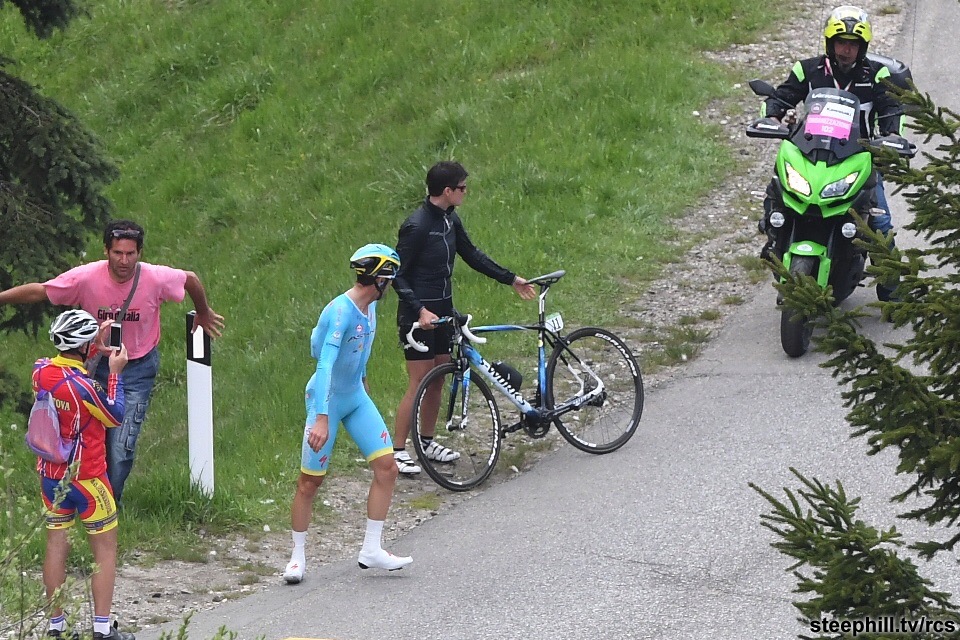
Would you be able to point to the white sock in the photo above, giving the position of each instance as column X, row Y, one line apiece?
column 371, row 540
column 299, row 542
column 101, row 624
column 59, row 623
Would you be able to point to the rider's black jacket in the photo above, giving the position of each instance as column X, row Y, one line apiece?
column 877, row 106
column 427, row 244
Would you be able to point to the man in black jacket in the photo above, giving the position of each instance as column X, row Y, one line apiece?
column 428, row 242
column 847, row 35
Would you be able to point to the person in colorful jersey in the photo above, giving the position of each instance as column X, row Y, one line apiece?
column 80, row 488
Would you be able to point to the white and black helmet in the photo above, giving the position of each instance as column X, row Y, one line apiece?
column 73, row 329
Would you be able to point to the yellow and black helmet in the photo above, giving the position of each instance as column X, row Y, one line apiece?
column 850, row 23
column 375, row 261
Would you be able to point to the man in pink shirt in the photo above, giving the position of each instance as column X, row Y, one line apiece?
column 101, row 288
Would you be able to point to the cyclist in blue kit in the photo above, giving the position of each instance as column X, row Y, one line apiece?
column 336, row 393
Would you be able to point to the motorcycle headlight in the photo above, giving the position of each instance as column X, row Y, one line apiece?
column 796, row 182
column 840, row 187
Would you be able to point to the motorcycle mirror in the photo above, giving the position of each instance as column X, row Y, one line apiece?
column 762, row 88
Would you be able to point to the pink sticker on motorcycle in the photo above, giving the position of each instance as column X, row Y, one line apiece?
column 831, row 120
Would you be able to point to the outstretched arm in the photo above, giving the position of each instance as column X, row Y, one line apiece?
column 207, row 318
column 24, row 294
column 483, row 263
column 477, row 259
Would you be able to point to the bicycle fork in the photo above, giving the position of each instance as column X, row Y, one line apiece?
column 462, row 379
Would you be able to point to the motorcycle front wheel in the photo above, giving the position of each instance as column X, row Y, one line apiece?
column 795, row 330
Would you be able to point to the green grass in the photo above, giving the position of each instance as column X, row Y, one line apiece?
column 756, row 267
column 677, row 344
column 425, row 502
column 260, row 142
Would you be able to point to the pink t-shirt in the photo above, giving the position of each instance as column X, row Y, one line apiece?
column 91, row 288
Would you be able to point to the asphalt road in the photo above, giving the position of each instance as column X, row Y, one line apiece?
column 659, row 540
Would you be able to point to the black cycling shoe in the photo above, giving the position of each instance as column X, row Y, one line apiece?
column 115, row 634
column 62, row 635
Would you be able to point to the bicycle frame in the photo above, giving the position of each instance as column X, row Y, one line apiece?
column 466, row 355
column 589, row 370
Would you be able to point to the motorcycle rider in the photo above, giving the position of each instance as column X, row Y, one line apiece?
column 846, row 35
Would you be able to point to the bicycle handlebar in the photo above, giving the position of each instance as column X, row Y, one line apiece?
column 464, row 328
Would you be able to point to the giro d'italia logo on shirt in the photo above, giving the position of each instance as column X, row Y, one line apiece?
column 113, row 313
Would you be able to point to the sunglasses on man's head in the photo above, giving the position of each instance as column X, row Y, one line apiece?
column 127, row 234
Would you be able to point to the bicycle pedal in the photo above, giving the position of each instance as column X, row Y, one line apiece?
column 513, row 428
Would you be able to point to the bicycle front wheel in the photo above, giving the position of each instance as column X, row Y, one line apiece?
column 595, row 362
column 469, row 424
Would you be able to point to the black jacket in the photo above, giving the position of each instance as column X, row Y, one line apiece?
column 877, row 106
column 427, row 243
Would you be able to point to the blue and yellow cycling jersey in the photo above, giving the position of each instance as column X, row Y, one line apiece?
column 341, row 343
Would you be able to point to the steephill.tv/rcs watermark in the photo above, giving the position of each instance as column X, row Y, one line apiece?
column 885, row 624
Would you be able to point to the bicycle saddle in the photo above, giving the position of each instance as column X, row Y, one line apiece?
column 548, row 279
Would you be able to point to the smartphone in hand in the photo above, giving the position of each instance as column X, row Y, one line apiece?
column 116, row 337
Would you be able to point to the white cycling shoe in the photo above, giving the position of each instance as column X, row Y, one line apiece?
column 293, row 574
column 405, row 464
column 439, row 453
column 381, row 559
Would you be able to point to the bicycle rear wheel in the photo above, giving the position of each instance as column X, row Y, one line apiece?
column 469, row 423
column 584, row 360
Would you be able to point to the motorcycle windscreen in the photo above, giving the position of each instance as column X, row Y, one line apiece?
column 832, row 123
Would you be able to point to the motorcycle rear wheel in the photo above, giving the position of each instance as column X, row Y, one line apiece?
column 795, row 331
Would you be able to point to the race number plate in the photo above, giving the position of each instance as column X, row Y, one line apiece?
column 554, row 322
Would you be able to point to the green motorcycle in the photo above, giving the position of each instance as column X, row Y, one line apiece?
column 823, row 170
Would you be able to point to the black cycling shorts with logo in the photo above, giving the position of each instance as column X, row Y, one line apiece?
column 438, row 342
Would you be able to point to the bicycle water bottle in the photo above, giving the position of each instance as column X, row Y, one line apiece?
column 510, row 375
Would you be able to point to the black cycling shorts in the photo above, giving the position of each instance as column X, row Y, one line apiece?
column 438, row 342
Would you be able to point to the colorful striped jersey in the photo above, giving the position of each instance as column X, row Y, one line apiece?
column 83, row 404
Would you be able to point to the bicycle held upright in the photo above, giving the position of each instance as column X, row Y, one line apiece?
column 588, row 384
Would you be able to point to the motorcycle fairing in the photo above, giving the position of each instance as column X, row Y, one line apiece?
column 825, row 153
column 813, row 249
column 819, row 175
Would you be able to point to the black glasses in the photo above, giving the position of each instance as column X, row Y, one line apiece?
column 459, row 187
column 128, row 234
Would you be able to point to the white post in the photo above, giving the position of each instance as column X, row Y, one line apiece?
column 199, row 407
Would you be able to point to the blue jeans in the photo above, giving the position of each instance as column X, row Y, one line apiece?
column 138, row 378
column 881, row 223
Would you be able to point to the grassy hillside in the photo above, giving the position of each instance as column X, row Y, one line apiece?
column 261, row 141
